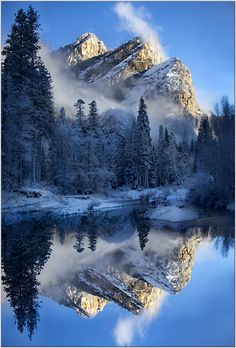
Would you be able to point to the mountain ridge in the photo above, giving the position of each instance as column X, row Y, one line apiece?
column 129, row 71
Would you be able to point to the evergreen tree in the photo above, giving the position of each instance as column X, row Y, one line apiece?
column 153, row 169
column 93, row 116
column 185, row 160
column 203, row 147
column 130, row 170
column 121, row 162
column 27, row 113
column 15, row 119
column 161, row 157
column 144, row 146
column 80, row 116
column 167, row 169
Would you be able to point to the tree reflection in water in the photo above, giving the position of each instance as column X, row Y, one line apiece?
column 25, row 249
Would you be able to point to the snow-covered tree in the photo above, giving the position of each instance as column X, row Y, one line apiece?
column 185, row 160
column 80, row 116
column 167, row 170
column 215, row 158
column 27, row 113
column 130, row 170
column 93, row 116
column 204, row 142
column 143, row 145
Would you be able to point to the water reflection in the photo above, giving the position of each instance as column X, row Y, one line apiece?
column 85, row 263
column 25, row 249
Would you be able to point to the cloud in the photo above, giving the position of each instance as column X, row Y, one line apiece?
column 126, row 328
column 133, row 20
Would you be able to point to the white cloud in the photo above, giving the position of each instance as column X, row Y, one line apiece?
column 126, row 328
column 134, row 21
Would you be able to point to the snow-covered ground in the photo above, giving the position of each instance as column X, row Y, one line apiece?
column 170, row 202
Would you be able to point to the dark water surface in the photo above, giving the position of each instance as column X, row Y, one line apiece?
column 117, row 279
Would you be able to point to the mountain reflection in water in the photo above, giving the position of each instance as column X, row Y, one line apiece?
column 86, row 262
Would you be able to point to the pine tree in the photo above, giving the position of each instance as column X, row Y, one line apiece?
column 153, row 169
column 121, row 161
column 27, row 114
column 185, row 160
column 203, row 147
column 144, row 146
column 174, row 175
column 15, row 120
column 167, row 170
column 93, row 116
column 80, row 116
column 130, row 170
column 161, row 161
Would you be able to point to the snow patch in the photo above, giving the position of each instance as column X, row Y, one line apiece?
column 173, row 214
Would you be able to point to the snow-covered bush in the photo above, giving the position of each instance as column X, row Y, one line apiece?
column 204, row 192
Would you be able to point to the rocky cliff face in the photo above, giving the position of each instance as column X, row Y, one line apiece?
column 170, row 78
column 85, row 47
column 131, row 70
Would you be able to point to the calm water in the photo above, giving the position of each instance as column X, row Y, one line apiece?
column 117, row 279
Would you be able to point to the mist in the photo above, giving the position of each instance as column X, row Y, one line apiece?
column 67, row 89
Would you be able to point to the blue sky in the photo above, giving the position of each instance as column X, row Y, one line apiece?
column 200, row 33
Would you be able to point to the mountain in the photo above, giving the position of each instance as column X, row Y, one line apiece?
column 129, row 71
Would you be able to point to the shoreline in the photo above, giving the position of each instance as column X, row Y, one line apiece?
column 163, row 204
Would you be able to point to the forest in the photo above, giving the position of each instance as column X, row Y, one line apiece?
column 43, row 145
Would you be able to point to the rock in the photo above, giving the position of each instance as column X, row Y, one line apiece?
column 85, row 47
column 171, row 79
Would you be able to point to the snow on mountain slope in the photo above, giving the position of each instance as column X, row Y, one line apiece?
column 130, row 71
column 170, row 78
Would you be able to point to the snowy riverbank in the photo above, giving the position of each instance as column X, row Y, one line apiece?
column 168, row 204
column 38, row 200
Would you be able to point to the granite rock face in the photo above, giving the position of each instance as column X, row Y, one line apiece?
column 85, row 47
